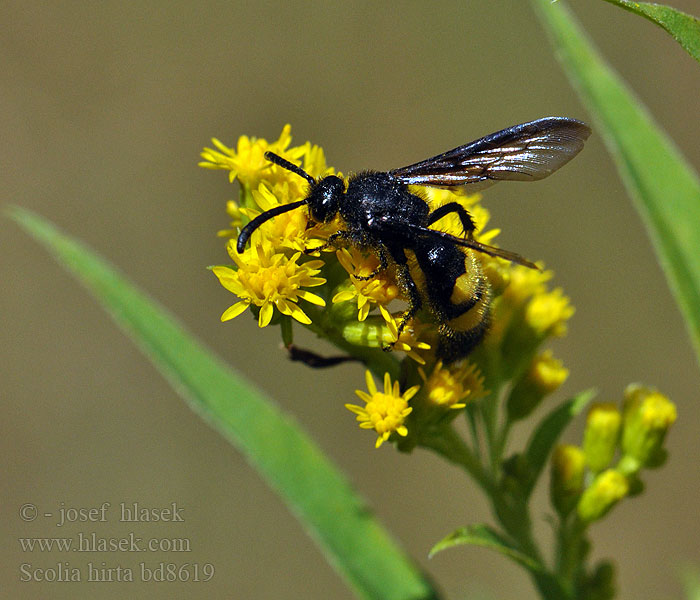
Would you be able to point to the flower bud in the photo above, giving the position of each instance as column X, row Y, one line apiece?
column 544, row 376
column 607, row 489
column 601, row 435
column 647, row 416
column 566, row 483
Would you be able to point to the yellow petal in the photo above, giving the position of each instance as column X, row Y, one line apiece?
column 364, row 311
column 265, row 315
column 298, row 314
column 387, row 384
column 387, row 317
column 364, row 396
column 233, row 311
column 309, row 297
column 410, row 392
column 313, row 281
column 226, row 276
column 369, row 380
column 343, row 296
column 283, row 306
column 345, row 260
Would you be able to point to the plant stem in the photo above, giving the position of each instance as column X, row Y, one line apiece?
column 449, row 444
column 570, row 552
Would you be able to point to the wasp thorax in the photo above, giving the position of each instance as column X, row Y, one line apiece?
column 324, row 198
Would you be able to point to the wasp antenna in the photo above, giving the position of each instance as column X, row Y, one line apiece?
column 285, row 164
column 248, row 230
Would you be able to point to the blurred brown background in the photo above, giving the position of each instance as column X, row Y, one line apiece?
column 105, row 107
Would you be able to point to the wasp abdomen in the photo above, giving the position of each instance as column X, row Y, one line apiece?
column 455, row 293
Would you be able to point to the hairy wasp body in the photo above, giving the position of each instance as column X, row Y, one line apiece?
column 436, row 271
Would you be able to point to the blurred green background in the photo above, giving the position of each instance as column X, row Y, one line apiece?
column 105, row 107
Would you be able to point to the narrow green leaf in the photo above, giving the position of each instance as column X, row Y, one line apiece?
column 547, row 433
column 684, row 28
column 665, row 188
column 483, row 535
column 313, row 488
column 691, row 582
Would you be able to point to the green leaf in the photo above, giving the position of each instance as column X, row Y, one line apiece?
column 319, row 495
column 483, row 535
column 547, row 433
column 684, row 28
column 691, row 582
column 665, row 188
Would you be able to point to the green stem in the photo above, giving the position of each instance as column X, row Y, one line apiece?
column 490, row 411
column 287, row 331
column 515, row 519
column 472, row 416
column 570, row 553
column 451, row 446
column 502, row 439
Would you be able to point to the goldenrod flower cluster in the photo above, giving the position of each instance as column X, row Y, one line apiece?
column 589, row 478
column 278, row 280
column 289, row 274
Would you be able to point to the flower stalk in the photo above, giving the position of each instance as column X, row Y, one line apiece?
column 298, row 271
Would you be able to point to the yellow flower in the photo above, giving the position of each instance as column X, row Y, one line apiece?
column 451, row 223
column 315, row 161
column 523, row 284
column 524, row 311
column 266, row 279
column 234, row 211
column 288, row 230
column 451, row 387
column 379, row 290
column 547, row 373
column 548, row 312
column 408, row 340
column 497, row 271
column 385, row 411
column 247, row 162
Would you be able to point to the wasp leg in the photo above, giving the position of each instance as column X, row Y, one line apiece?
column 414, row 301
column 450, row 207
column 330, row 242
column 409, row 287
column 316, row 361
column 383, row 265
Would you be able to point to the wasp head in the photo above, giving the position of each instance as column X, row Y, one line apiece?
column 324, row 198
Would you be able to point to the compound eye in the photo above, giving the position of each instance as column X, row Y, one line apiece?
column 324, row 198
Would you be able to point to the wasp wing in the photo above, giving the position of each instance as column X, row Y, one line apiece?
column 524, row 152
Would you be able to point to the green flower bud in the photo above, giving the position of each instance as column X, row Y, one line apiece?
column 601, row 435
column 372, row 332
column 647, row 416
column 607, row 489
column 566, row 484
column 544, row 376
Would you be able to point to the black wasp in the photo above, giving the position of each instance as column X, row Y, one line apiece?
column 436, row 271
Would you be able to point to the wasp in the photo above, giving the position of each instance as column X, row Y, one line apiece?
column 436, row 271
